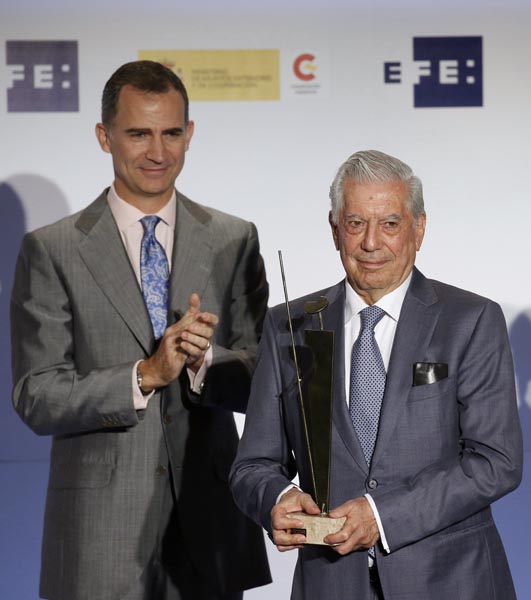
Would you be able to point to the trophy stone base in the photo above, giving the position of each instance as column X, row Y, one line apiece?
column 317, row 527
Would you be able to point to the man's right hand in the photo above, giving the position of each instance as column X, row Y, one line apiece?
column 175, row 349
column 292, row 501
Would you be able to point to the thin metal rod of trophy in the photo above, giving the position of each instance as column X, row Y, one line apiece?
column 299, row 381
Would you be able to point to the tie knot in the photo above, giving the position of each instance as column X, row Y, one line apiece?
column 149, row 223
column 370, row 316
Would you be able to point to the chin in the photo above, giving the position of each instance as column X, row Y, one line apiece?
column 373, row 283
column 155, row 190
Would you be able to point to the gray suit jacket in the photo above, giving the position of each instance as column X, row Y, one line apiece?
column 79, row 323
column 445, row 450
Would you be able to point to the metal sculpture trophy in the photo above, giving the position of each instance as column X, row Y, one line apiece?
column 316, row 416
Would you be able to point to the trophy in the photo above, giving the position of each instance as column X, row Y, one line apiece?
column 316, row 410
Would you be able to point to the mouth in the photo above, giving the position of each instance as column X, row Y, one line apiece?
column 154, row 172
column 372, row 265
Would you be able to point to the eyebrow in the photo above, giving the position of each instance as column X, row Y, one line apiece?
column 138, row 130
column 148, row 130
column 385, row 217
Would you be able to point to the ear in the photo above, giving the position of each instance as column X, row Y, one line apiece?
column 420, row 228
column 333, row 227
column 190, row 127
column 103, row 137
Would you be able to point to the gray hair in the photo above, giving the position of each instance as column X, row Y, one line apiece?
column 368, row 166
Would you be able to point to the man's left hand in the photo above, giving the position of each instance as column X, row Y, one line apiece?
column 196, row 339
column 360, row 530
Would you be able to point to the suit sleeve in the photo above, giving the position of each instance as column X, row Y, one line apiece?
column 50, row 394
column 228, row 379
column 486, row 461
column 264, row 464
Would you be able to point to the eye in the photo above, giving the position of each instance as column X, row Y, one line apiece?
column 174, row 133
column 354, row 224
column 391, row 224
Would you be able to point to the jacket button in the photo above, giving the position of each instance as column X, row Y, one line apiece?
column 161, row 470
column 373, row 484
column 167, row 419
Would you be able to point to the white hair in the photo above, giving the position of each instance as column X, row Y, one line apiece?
column 369, row 166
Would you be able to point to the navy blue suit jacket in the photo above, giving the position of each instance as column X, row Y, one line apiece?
column 445, row 450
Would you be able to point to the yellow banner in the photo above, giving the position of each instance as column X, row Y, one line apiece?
column 223, row 74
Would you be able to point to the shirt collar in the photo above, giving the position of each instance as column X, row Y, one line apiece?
column 126, row 214
column 391, row 303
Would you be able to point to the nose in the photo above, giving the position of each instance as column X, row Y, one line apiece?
column 372, row 237
column 156, row 151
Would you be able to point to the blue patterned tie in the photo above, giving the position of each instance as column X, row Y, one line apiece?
column 367, row 381
column 154, row 274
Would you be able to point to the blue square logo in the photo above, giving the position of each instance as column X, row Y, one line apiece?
column 450, row 71
column 44, row 76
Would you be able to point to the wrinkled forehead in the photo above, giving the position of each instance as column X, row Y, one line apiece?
column 376, row 196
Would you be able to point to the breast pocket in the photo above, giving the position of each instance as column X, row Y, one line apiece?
column 431, row 412
column 432, row 390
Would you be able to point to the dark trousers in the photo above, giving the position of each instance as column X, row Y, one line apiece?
column 170, row 575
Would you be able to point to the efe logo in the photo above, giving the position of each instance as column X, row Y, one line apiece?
column 449, row 69
column 44, row 76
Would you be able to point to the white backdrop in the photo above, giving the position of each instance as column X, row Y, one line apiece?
column 272, row 162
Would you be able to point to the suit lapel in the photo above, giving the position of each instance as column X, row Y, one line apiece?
column 105, row 256
column 106, row 259
column 192, row 255
column 334, row 319
column 417, row 321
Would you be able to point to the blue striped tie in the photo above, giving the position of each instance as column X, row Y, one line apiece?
column 154, row 274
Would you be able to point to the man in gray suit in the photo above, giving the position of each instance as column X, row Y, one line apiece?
column 446, row 440
column 131, row 347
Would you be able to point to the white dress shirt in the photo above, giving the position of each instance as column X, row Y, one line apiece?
column 384, row 333
column 127, row 219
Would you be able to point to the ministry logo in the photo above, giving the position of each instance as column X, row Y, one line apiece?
column 305, row 74
column 44, row 76
column 449, row 71
column 304, row 67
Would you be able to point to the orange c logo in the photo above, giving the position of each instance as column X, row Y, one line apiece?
column 305, row 76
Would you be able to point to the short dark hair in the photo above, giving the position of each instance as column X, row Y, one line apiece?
column 144, row 75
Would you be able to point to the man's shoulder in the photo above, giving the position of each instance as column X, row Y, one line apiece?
column 52, row 229
column 67, row 230
column 210, row 216
column 454, row 300
column 69, row 222
column 54, row 233
column 450, row 293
